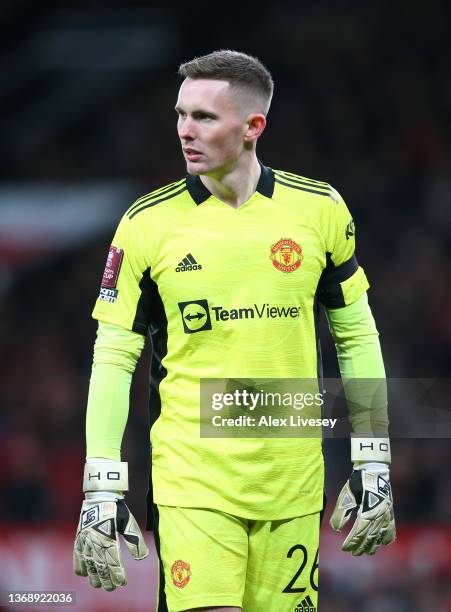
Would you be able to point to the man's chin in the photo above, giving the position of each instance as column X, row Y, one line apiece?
column 196, row 167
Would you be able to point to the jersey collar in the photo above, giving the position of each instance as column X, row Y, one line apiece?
column 200, row 193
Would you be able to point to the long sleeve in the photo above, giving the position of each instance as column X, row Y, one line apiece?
column 361, row 365
column 116, row 352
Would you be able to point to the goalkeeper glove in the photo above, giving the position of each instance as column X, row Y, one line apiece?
column 104, row 515
column 368, row 490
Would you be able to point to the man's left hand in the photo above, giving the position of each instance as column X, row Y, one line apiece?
column 369, row 492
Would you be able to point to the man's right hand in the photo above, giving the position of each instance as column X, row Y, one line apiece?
column 97, row 548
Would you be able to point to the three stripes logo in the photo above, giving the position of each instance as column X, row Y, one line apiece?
column 306, row 605
column 187, row 264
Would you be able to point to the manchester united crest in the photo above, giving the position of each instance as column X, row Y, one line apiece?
column 181, row 573
column 286, row 255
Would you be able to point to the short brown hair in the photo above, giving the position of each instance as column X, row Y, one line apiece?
column 239, row 69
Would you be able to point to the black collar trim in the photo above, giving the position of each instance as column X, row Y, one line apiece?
column 197, row 189
column 200, row 193
column 266, row 182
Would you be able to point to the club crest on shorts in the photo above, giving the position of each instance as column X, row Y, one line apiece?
column 286, row 255
column 181, row 574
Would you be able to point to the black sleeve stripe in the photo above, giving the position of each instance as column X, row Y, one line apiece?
column 329, row 289
column 329, row 194
column 141, row 321
column 319, row 357
column 151, row 317
column 301, row 181
column 303, row 178
column 154, row 202
column 149, row 309
column 337, row 274
column 155, row 194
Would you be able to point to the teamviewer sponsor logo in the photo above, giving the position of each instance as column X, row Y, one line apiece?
column 195, row 316
column 306, row 605
column 257, row 311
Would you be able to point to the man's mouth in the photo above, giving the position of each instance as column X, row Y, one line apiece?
column 192, row 154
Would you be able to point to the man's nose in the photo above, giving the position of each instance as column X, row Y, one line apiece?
column 186, row 129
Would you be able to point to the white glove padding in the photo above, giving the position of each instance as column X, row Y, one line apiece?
column 97, row 550
column 375, row 523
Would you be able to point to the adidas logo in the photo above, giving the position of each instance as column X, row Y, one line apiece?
column 306, row 605
column 187, row 264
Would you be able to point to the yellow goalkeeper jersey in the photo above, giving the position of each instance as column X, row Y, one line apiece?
column 231, row 293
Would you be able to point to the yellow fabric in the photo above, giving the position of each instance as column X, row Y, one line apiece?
column 214, row 559
column 361, row 365
column 116, row 352
column 238, row 315
column 352, row 287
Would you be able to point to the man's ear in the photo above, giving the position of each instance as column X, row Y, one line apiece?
column 256, row 123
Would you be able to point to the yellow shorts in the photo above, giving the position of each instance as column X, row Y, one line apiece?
column 210, row 558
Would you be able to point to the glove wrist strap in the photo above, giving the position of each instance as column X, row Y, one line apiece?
column 370, row 449
column 103, row 496
column 372, row 466
column 105, row 476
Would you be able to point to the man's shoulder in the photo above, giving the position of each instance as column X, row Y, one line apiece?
column 157, row 198
column 296, row 182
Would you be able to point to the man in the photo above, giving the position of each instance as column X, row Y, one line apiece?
column 225, row 269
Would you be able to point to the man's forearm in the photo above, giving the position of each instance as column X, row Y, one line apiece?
column 116, row 352
column 361, row 365
column 363, row 373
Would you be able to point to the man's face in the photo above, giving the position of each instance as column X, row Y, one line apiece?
column 210, row 126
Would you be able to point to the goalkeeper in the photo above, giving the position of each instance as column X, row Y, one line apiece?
column 225, row 270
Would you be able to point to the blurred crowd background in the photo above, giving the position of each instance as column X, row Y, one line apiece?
column 362, row 100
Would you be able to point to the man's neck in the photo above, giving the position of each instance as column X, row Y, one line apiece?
column 237, row 186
